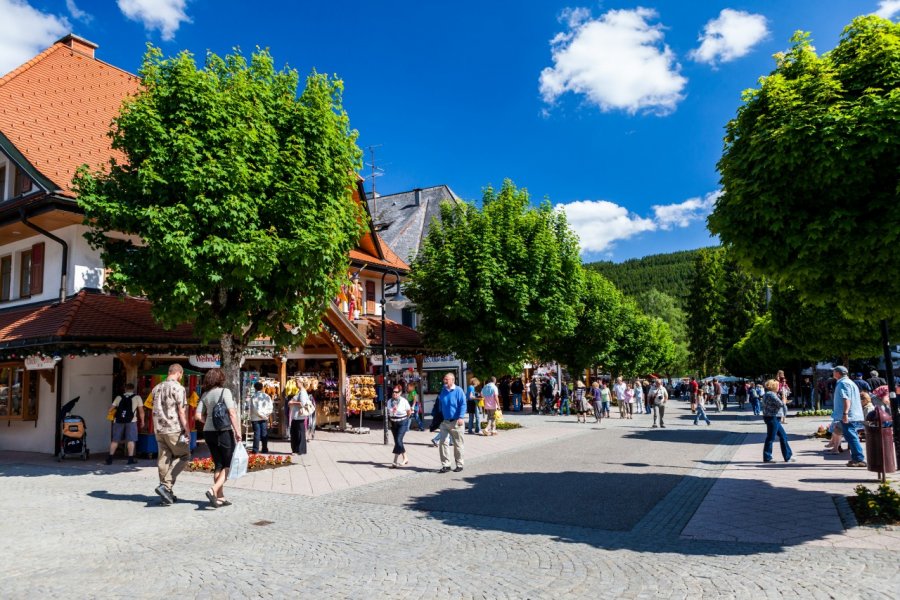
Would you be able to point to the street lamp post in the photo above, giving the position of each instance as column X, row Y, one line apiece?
column 397, row 299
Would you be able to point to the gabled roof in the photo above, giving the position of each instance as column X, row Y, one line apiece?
column 57, row 108
column 400, row 338
column 403, row 223
column 371, row 249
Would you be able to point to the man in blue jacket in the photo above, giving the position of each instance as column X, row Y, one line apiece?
column 453, row 406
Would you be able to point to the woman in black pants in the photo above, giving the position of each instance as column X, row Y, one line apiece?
column 301, row 407
column 220, row 440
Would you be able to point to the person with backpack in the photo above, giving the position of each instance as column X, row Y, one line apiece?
column 260, row 409
column 128, row 411
column 217, row 411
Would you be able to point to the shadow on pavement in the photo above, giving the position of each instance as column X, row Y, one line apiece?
column 149, row 501
column 678, row 436
column 585, row 508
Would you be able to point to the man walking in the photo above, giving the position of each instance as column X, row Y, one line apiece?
column 129, row 415
column 516, row 387
column 848, row 409
column 452, row 401
column 260, row 409
column 658, row 396
column 717, row 394
column 619, row 391
column 172, row 433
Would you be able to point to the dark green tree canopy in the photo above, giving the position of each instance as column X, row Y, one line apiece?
column 495, row 284
column 810, row 172
column 240, row 192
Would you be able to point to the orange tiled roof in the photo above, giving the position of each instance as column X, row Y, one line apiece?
column 89, row 317
column 56, row 109
column 390, row 259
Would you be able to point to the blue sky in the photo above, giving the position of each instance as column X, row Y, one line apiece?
column 615, row 111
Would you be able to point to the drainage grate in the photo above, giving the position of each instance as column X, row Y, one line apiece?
column 263, row 523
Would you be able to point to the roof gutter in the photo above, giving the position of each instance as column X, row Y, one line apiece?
column 64, row 270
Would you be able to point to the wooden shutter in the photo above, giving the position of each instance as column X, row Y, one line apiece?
column 370, row 297
column 37, row 269
column 23, row 183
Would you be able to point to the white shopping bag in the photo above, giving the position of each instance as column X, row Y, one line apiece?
column 238, row 462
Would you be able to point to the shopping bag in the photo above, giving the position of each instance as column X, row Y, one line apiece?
column 238, row 462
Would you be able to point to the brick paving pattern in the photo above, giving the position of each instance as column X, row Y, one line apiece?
column 84, row 530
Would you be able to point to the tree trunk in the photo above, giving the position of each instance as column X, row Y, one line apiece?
column 232, row 353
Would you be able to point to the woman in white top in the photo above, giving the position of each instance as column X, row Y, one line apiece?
column 220, row 440
column 399, row 412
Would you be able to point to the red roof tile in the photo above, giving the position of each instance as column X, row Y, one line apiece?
column 89, row 317
column 57, row 108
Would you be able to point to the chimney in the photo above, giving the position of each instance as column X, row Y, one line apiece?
column 418, row 192
column 78, row 44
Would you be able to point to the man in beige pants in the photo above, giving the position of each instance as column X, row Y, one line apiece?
column 172, row 434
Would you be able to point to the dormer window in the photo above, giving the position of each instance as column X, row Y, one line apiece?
column 2, row 180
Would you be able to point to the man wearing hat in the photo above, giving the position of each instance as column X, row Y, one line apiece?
column 848, row 410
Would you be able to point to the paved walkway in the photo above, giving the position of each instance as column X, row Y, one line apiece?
column 485, row 533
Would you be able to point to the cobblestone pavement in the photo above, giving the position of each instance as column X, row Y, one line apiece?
column 101, row 534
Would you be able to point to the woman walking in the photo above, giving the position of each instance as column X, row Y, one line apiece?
column 604, row 399
column 629, row 400
column 701, row 411
column 301, row 407
column 772, row 408
column 399, row 413
column 580, row 403
column 638, row 397
column 221, row 431
column 490, row 397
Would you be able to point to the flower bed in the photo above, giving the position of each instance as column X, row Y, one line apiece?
column 814, row 413
column 257, row 462
column 876, row 507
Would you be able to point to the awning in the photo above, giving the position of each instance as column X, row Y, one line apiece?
column 400, row 338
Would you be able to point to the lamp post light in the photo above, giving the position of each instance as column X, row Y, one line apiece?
column 397, row 300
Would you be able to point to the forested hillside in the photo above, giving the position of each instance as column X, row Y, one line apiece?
column 667, row 273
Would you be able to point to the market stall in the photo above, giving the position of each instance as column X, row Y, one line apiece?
column 147, row 380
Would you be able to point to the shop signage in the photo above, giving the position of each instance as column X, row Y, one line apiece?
column 375, row 359
column 37, row 363
column 205, row 361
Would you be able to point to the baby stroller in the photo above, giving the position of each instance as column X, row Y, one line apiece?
column 73, row 433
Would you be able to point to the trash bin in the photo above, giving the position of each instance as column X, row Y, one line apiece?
column 880, row 441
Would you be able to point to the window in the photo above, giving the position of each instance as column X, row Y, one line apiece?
column 3, row 182
column 370, row 297
column 5, row 277
column 409, row 317
column 25, row 274
column 31, row 273
column 18, row 393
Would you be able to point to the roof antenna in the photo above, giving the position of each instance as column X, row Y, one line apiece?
column 376, row 172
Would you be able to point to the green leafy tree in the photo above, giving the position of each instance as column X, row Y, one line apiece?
column 704, row 308
column 495, row 285
column 820, row 331
column 598, row 329
column 658, row 304
column 761, row 351
column 810, row 172
column 240, row 192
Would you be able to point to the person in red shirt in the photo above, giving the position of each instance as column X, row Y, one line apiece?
column 695, row 387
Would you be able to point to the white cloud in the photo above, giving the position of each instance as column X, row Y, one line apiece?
column 77, row 13
column 164, row 15
column 729, row 36
column 600, row 223
column 888, row 8
column 683, row 214
column 26, row 31
column 618, row 61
